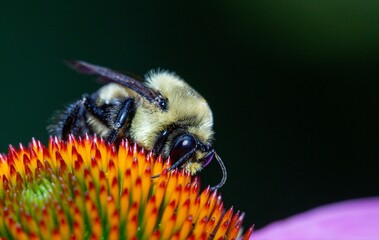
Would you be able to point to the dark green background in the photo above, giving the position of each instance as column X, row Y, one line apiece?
column 293, row 85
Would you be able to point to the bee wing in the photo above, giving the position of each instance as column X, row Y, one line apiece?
column 151, row 95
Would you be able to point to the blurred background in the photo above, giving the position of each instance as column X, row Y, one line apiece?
column 293, row 85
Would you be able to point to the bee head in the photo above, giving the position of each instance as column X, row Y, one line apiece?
column 188, row 152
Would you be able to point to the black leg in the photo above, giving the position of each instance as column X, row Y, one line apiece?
column 95, row 110
column 124, row 115
column 160, row 142
column 72, row 121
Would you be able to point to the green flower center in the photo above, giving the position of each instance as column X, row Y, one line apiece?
column 36, row 193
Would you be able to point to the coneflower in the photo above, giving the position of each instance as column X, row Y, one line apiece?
column 86, row 188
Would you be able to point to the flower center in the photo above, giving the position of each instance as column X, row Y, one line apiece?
column 36, row 193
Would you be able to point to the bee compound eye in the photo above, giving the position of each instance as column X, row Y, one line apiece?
column 182, row 145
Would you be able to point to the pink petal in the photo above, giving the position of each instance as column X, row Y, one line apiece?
column 356, row 219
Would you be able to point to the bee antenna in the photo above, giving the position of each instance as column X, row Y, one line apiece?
column 219, row 160
column 177, row 163
column 224, row 173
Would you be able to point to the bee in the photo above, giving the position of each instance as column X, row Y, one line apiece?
column 163, row 114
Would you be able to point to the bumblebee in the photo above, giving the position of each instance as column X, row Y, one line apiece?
column 163, row 114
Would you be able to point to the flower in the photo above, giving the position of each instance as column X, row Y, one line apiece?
column 354, row 219
column 85, row 188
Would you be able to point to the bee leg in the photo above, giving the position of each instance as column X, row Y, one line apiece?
column 124, row 115
column 72, row 122
column 159, row 143
column 91, row 106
